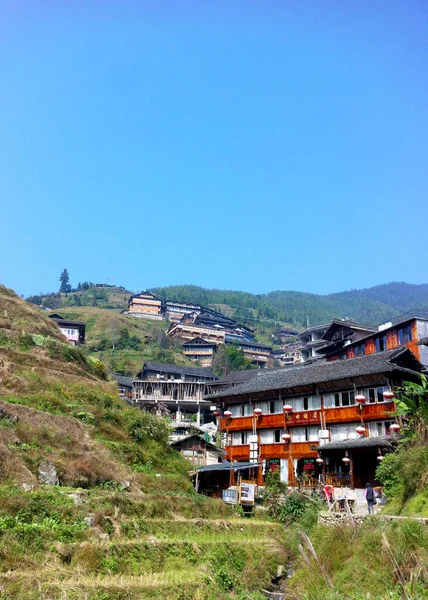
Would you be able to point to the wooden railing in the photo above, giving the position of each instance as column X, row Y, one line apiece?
column 346, row 414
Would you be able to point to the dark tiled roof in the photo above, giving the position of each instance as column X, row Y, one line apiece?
column 252, row 345
column 423, row 341
column 316, row 373
column 180, row 370
column 236, row 377
column 124, row 381
column 64, row 321
column 371, row 442
column 198, row 341
column 198, row 438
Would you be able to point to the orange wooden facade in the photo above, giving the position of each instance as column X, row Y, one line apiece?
column 392, row 342
column 345, row 414
column 297, row 450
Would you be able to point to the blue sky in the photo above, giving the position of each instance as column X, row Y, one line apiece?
column 241, row 144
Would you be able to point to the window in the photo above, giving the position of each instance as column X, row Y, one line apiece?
column 298, row 434
column 239, row 438
column 343, row 432
column 379, row 428
column 381, row 344
column 305, row 403
column 277, row 436
column 339, row 399
column 404, row 335
column 374, row 394
column 267, row 436
column 305, row 434
column 359, row 350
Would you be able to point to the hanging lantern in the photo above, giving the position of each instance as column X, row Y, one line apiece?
column 286, row 437
column 360, row 430
column 287, row 408
column 216, row 413
column 346, row 460
column 360, row 399
column 227, row 414
column 395, row 427
column 319, row 460
column 388, row 395
column 380, row 458
column 258, row 412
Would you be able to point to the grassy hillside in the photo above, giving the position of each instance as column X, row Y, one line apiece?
column 118, row 518
column 123, row 343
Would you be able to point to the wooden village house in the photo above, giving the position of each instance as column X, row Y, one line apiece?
column 174, row 390
column 198, row 450
column 74, row 331
column 290, row 419
column 145, row 305
column 200, row 350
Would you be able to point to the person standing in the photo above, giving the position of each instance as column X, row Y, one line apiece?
column 369, row 495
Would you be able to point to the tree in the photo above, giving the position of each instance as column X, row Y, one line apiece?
column 65, row 286
column 412, row 406
column 230, row 358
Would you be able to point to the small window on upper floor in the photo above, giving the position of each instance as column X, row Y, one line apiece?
column 405, row 335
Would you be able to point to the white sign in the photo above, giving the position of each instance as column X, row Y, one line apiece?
column 247, row 492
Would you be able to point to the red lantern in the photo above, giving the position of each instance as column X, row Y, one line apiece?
column 388, row 395
column 360, row 399
column 395, row 427
column 287, row 408
column 360, row 430
column 258, row 412
column 346, row 459
column 286, row 437
column 319, row 460
column 227, row 413
column 380, row 458
column 216, row 413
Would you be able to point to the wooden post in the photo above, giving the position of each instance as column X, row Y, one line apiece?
column 351, row 471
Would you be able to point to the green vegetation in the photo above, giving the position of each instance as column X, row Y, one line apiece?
column 404, row 473
column 374, row 561
column 124, row 521
column 123, row 343
column 230, row 358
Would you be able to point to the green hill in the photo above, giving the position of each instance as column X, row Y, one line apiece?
column 94, row 504
column 123, row 343
column 370, row 306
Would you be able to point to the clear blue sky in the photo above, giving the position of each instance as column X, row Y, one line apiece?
column 243, row 144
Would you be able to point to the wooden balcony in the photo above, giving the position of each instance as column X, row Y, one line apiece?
column 346, row 414
column 297, row 450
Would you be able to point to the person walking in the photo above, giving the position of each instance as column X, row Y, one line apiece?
column 369, row 496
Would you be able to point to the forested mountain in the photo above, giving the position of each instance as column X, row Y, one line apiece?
column 371, row 306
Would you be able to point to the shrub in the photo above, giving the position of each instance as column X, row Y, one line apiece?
column 388, row 473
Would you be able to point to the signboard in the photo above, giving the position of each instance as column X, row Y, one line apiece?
column 230, row 496
column 247, row 491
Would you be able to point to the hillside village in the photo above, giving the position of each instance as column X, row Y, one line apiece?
column 281, row 419
column 318, row 427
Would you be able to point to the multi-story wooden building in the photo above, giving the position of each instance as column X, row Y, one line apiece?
column 338, row 333
column 199, row 350
column 258, row 354
column 175, row 310
column 405, row 331
column 189, row 331
column 145, row 305
column 175, row 390
column 314, row 404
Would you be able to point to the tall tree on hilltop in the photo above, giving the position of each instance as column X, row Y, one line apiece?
column 65, row 286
